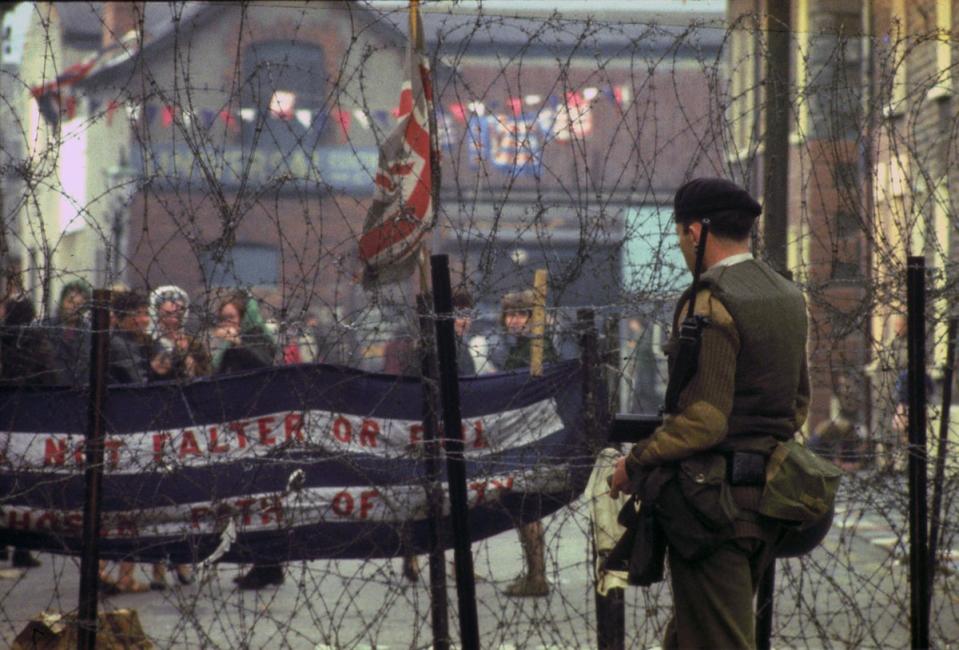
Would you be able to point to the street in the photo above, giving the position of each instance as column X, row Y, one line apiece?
column 851, row 592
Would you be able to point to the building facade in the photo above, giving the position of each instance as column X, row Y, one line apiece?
column 870, row 181
column 218, row 145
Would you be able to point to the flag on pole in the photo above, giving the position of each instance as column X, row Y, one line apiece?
column 52, row 98
column 402, row 211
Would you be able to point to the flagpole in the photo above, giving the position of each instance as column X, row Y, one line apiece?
column 417, row 42
column 437, row 557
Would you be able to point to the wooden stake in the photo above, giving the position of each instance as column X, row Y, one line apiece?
column 538, row 324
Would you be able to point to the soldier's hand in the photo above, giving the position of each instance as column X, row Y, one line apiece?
column 620, row 480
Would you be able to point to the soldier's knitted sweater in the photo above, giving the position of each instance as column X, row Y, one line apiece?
column 751, row 382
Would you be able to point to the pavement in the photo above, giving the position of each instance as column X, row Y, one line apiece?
column 851, row 592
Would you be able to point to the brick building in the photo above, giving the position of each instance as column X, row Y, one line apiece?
column 220, row 145
column 870, row 180
column 567, row 137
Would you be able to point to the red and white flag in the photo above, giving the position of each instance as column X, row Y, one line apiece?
column 402, row 210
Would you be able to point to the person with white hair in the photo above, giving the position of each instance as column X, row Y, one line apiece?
column 177, row 355
column 184, row 356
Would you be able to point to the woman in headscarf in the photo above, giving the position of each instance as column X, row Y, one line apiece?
column 241, row 340
column 177, row 355
column 184, row 356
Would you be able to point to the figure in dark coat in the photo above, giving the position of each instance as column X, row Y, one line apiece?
column 69, row 336
column 241, row 342
column 25, row 360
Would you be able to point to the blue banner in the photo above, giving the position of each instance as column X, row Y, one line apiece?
column 286, row 463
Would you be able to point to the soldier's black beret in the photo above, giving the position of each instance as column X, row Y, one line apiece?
column 702, row 196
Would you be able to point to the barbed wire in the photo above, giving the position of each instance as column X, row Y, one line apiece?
column 233, row 146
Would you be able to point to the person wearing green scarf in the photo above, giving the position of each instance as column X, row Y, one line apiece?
column 241, row 340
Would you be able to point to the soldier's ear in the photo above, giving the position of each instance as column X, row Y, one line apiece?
column 694, row 229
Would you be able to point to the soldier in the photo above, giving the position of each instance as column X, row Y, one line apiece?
column 517, row 320
column 749, row 391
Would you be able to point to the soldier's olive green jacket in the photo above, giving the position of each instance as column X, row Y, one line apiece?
column 752, row 383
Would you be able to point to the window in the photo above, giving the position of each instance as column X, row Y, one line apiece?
column 283, row 102
column 848, row 224
column 653, row 263
column 243, row 265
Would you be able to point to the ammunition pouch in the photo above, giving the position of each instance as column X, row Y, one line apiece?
column 641, row 551
column 800, row 486
column 688, row 505
column 696, row 509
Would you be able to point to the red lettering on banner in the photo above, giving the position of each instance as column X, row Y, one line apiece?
column 479, row 442
column 293, row 426
column 47, row 520
column 504, row 485
column 74, row 522
column 159, row 441
column 416, row 434
column 188, row 444
column 366, row 502
column 113, row 450
column 368, row 432
column 126, row 527
column 342, row 429
column 244, row 506
column 480, row 489
column 13, row 523
column 343, row 504
column 198, row 513
column 215, row 446
column 265, row 425
column 54, row 452
column 239, row 428
column 78, row 454
column 271, row 510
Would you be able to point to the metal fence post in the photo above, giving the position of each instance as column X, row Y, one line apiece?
column 453, row 442
column 93, row 473
column 438, row 605
column 918, row 556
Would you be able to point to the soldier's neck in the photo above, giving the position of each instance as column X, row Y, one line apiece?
column 719, row 249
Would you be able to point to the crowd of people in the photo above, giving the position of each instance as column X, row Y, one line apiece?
column 148, row 342
column 152, row 338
